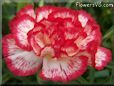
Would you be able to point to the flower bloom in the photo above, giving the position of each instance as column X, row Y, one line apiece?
column 60, row 41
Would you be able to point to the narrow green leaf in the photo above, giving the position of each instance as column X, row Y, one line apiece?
column 109, row 33
column 5, row 78
column 82, row 80
column 110, row 66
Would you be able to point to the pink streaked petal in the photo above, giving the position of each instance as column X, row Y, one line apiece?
column 20, row 27
column 90, row 27
column 63, row 13
column 39, row 39
column 63, row 69
column 84, row 17
column 43, row 12
column 35, row 46
column 19, row 61
column 70, row 50
column 102, row 58
column 94, row 36
column 29, row 10
column 42, row 39
column 47, row 52
column 83, row 20
column 46, row 23
column 92, row 49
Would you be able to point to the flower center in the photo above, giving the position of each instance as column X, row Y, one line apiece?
column 58, row 42
column 58, row 39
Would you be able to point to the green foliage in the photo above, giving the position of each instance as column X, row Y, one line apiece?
column 104, row 16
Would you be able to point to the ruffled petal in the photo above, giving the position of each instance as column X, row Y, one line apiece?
column 63, row 69
column 43, row 12
column 63, row 13
column 35, row 46
column 47, row 52
column 90, row 26
column 29, row 10
column 19, row 61
column 37, row 39
column 83, row 20
column 85, row 17
column 102, row 58
column 20, row 27
column 93, row 37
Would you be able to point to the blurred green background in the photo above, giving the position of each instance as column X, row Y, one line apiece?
column 103, row 15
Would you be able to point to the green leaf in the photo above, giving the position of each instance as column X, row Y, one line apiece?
column 41, row 3
column 69, row 3
column 82, row 80
column 110, row 66
column 109, row 33
column 8, row 11
column 5, row 78
column 103, row 73
column 21, row 5
column 91, row 74
column 112, row 63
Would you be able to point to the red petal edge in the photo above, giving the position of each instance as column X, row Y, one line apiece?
column 20, row 62
column 43, row 12
column 20, row 27
column 102, row 58
column 63, row 13
column 63, row 70
column 29, row 10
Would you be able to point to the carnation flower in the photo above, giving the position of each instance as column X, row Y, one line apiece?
column 57, row 41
